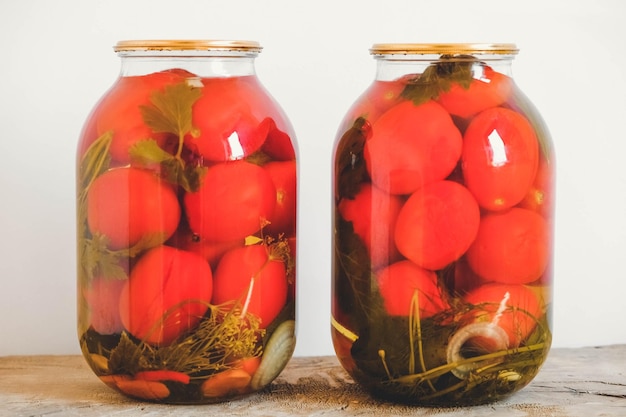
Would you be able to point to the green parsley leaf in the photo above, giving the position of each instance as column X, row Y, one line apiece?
column 146, row 152
column 170, row 109
column 98, row 260
column 95, row 161
column 126, row 358
column 172, row 169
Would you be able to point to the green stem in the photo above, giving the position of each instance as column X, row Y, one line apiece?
column 443, row 369
column 179, row 151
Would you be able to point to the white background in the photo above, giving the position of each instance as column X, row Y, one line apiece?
column 56, row 59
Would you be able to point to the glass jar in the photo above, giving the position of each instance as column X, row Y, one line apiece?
column 186, row 218
column 443, row 228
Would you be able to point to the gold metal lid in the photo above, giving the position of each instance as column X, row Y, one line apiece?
column 444, row 48
column 187, row 45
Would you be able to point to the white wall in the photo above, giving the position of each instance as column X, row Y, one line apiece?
column 56, row 60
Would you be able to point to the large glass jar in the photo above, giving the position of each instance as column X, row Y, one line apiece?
column 443, row 228
column 186, row 218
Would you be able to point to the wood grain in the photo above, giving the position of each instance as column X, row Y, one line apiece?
column 581, row 382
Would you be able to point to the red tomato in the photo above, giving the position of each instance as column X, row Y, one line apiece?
column 519, row 316
column 540, row 196
column 278, row 144
column 102, row 296
column 250, row 276
column 437, row 224
column 228, row 129
column 185, row 239
column 500, row 157
column 128, row 204
column 488, row 89
column 377, row 99
column 411, row 146
column 262, row 104
column 235, row 200
column 283, row 220
column 119, row 110
column 373, row 214
column 400, row 282
column 512, row 247
column 166, row 295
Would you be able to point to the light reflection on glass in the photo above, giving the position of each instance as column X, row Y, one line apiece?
column 236, row 150
column 497, row 149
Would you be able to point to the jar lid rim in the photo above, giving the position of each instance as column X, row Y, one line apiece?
column 444, row 48
column 187, row 45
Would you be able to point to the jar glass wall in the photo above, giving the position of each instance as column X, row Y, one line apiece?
column 443, row 228
column 186, row 218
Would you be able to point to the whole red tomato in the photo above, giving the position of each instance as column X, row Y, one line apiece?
column 511, row 247
column 119, row 111
column 400, row 282
column 373, row 214
column 283, row 219
column 411, row 146
column 235, row 200
column 223, row 116
column 166, row 295
column 515, row 308
column 500, row 157
column 488, row 89
column 130, row 204
column 254, row 279
column 437, row 224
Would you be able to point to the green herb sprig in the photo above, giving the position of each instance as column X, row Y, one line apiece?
column 170, row 112
column 387, row 360
column 439, row 77
column 223, row 334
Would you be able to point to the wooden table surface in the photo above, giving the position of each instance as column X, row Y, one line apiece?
column 582, row 382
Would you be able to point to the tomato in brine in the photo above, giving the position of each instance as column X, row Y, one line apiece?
column 186, row 217
column 443, row 217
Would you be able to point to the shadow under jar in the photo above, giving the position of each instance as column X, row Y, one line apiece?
column 186, row 218
column 442, row 228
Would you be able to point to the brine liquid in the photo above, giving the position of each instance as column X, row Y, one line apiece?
column 186, row 211
column 443, row 234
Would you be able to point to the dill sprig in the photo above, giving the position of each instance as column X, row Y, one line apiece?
column 222, row 336
column 492, row 375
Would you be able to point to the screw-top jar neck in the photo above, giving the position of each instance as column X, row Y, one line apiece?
column 204, row 58
column 399, row 59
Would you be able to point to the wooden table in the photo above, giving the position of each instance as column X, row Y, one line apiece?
column 573, row 383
